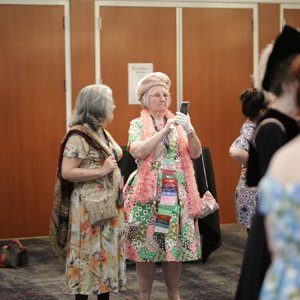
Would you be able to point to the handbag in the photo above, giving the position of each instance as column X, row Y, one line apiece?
column 101, row 206
column 208, row 202
column 13, row 255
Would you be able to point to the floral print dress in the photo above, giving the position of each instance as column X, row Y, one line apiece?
column 95, row 261
column 143, row 243
column 245, row 197
column 281, row 206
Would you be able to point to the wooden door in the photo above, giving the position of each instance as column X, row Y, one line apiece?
column 32, row 115
column 292, row 17
column 135, row 35
column 269, row 23
column 217, row 67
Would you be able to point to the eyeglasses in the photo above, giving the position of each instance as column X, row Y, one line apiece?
column 158, row 95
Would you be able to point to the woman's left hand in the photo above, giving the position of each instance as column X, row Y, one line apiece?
column 184, row 121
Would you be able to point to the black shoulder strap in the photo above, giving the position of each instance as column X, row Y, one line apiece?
column 83, row 132
column 67, row 186
column 264, row 122
column 63, row 188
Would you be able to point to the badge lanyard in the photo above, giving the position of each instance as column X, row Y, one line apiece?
column 165, row 139
column 168, row 199
column 111, row 146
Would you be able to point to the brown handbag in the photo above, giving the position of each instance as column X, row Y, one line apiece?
column 100, row 206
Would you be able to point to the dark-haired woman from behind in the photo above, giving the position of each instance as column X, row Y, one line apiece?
column 253, row 106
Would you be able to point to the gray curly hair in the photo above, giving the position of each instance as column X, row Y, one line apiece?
column 94, row 106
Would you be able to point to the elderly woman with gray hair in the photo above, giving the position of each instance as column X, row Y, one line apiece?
column 95, row 253
column 161, row 197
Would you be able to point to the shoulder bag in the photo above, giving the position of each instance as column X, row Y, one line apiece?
column 208, row 202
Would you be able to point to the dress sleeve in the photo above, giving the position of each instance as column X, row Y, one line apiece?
column 135, row 131
column 268, row 140
column 243, row 140
column 76, row 147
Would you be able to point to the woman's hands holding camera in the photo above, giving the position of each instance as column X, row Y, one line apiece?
column 184, row 121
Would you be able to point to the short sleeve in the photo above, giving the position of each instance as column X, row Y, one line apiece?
column 135, row 131
column 246, row 133
column 76, row 147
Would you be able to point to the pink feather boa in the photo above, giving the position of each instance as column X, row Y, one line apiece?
column 146, row 186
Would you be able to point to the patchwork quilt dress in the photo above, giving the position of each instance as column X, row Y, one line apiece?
column 156, row 232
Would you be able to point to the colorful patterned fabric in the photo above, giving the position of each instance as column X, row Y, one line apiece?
column 182, row 240
column 245, row 197
column 96, row 257
column 143, row 193
column 281, row 206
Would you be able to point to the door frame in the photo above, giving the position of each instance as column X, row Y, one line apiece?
column 68, row 79
column 178, row 5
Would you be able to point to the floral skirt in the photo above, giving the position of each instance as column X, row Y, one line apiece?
column 96, row 260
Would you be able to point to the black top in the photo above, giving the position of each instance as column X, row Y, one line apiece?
column 269, row 139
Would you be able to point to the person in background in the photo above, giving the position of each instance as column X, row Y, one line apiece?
column 161, row 197
column 95, row 258
column 253, row 106
column 279, row 203
column 277, row 127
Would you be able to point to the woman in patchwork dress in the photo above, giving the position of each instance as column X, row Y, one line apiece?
column 253, row 105
column 161, row 197
column 95, row 260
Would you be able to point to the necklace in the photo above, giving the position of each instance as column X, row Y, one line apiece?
column 157, row 129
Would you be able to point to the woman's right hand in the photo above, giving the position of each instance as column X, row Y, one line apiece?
column 141, row 149
column 169, row 125
column 72, row 171
column 109, row 164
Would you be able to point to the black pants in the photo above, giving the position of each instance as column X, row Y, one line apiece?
column 256, row 261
